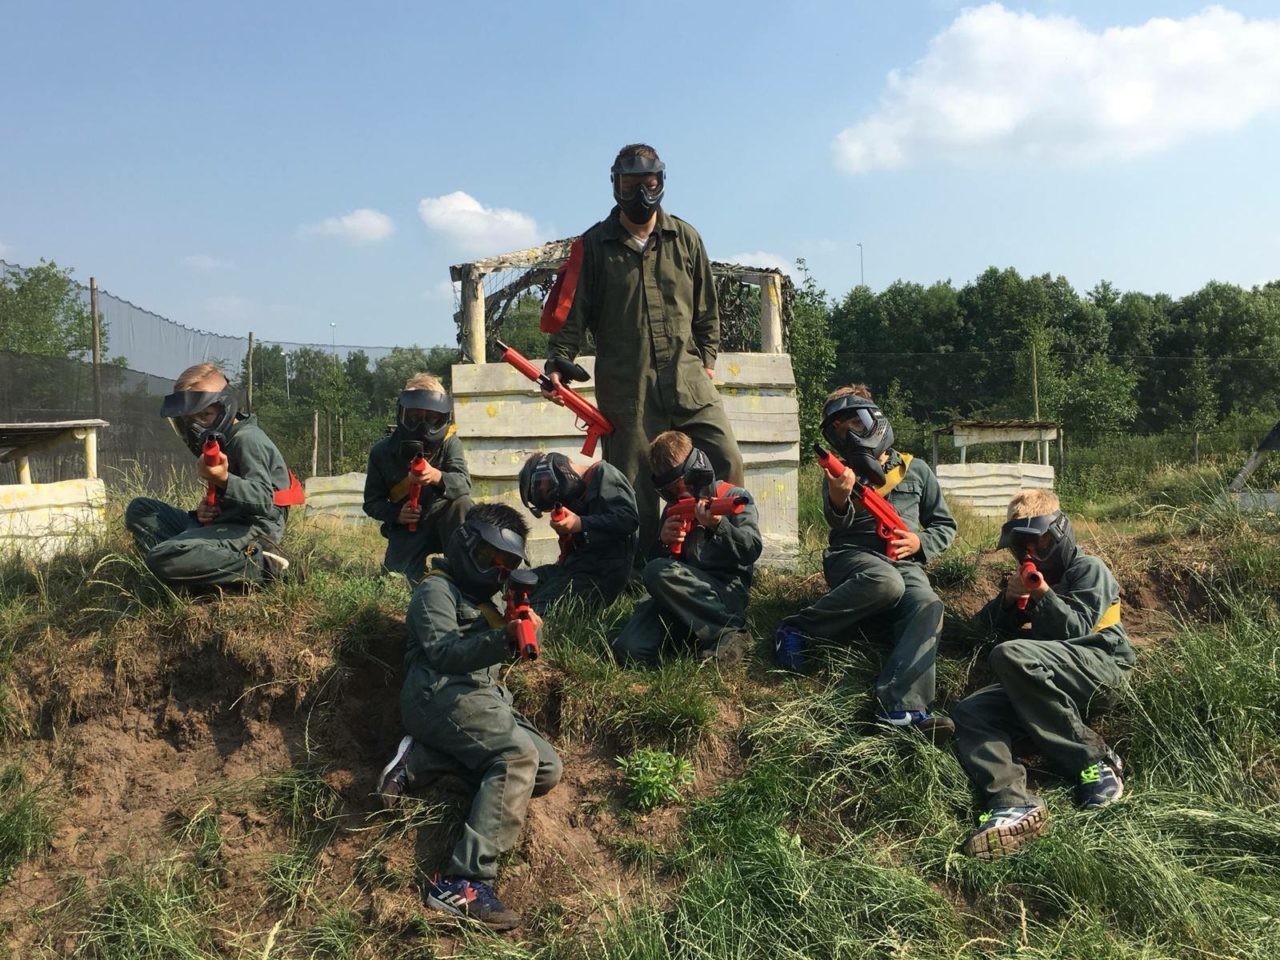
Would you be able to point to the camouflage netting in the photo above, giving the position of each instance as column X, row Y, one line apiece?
column 739, row 301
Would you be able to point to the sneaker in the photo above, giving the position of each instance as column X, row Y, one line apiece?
column 934, row 727
column 788, row 649
column 472, row 899
column 729, row 649
column 1003, row 830
column 1100, row 783
column 395, row 776
column 274, row 565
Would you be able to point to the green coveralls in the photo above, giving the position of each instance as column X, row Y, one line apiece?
column 1049, row 678
column 462, row 722
column 699, row 596
column 657, row 330
column 227, row 553
column 599, row 567
column 444, row 505
column 864, row 582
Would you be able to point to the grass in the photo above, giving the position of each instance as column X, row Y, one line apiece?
column 26, row 821
column 837, row 838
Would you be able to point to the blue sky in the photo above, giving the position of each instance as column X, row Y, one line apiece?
column 280, row 167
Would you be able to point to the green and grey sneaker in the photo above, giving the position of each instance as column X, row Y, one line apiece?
column 1001, row 831
column 1100, row 783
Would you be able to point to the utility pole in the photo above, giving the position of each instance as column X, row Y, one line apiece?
column 862, row 273
column 97, row 347
column 1035, row 382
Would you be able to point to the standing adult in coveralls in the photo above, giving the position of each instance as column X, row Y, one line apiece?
column 640, row 282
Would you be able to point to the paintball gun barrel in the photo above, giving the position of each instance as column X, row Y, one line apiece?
column 585, row 413
column 211, row 451
column 1032, row 577
column 558, row 513
column 683, row 509
column 418, row 467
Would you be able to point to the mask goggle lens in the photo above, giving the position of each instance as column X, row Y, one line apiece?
column 487, row 555
column 859, row 422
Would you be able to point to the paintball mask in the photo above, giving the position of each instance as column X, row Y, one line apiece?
column 638, row 201
column 858, row 431
column 696, row 471
column 481, row 555
column 1021, row 536
column 181, row 407
column 423, row 415
column 547, row 480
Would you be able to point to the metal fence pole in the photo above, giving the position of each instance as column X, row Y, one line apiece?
column 97, row 347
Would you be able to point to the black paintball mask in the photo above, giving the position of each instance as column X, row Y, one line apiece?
column 547, row 480
column 481, row 556
column 428, row 426
column 859, row 431
column 638, row 201
column 696, row 471
column 181, row 407
column 1021, row 537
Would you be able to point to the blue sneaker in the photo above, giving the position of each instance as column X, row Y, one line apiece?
column 1100, row 783
column 788, row 649
column 1003, row 830
column 472, row 899
column 935, row 728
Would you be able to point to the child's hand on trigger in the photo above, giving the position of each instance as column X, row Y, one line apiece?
column 702, row 512
column 408, row 515
column 207, row 512
column 1014, row 589
column 671, row 532
column 570, row 523
column 216, row 474
column 840, row 489
column 905, row 544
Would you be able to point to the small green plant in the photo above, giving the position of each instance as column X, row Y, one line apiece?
column 955, row 570
column 653, row 778
column 26, row 827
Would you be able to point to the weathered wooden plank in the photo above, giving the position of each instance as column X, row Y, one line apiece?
column 343, row 483
column 39, row 520
column 965, row 437
column 733, row 371
column 995, row 470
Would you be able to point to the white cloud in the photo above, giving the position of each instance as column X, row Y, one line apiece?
column 443, row 291
column 996, row 82
column 5, row 249
column 763, row 258
column 475, row 228
column 359, row 226
column 204, row 263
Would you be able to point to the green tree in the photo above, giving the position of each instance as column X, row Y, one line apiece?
column 813, row 354
column 42, row 312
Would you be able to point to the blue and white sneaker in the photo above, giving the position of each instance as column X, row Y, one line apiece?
column 935, row 728
column 788, row 648
column 472, row 899
column 1100, row 783
column 395, row 776
column 1003, row 830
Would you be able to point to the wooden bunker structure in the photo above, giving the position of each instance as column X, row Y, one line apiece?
column 986, row 488
column 40, row 520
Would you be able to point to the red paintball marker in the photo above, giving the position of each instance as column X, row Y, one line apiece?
column 558, row 513
column 520, row 584
column 212, row 453
column 1032, row 577
column 586, row 415
column 887, row 518
column 418, row 467
column 682, row 509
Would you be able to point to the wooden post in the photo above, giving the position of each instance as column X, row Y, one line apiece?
column 770, row 313
column 91, row 453
column 97, row 347
column 473, row 313
column 1021, row 445
column 1061, row 453
column 342, row 447
column 328, row 426
column 249, row 389
column 24, row 471
column 315, row 439
column 1195, row 448
column 935, row 451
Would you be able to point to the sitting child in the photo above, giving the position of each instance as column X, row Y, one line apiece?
column 1066, row 655
column 593, row 510
column 459, row 715
column 698, row 586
